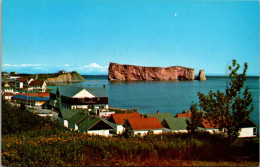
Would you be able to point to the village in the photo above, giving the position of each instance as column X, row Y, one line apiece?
column 87, row 110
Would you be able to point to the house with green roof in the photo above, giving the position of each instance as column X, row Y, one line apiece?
column 80, row 120
column 94, row 99
column 175, row 124
column 160, row 116
column 169, row 122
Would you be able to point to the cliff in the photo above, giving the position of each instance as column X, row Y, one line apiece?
column 132, row 72
column 66, row 77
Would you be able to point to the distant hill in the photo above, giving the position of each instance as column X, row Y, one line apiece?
column 59, row 77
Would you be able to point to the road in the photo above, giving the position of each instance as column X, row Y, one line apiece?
column 40, row 110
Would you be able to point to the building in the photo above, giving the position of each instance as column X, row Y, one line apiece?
column 142, row 126
column 209, row 127
column 80, row 120
column 8, row 95
column 72, row 97
column 175, row 124
column 160, row 116
column 183, row 115
column 248, row 129
column 22, row 82
column 38, row 85
column 30, row 100
column 119, row 120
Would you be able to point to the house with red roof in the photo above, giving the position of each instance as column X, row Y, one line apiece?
column 39, row 85
column 209, row 126
column 248, row 129
column 8, row 95
column 141, row 126
column 22, row 82
column 119, row 120
column 183, row 115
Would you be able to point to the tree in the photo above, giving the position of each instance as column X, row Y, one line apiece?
column 195, row 120
column 231, row 108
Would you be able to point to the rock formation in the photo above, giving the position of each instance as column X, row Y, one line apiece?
column 67, row 77
column 132, row 72
column 202, row 76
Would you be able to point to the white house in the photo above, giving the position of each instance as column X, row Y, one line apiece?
column 22, row 82
column 80, row 120
column 71, row 97
column 39, row 85
column 248, row 129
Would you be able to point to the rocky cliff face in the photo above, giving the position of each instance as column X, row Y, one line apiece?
column 68, row 77
column 132, row 72
column 202, row 76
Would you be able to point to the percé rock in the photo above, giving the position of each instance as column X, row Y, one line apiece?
column 202, row 76
column 132, row 72
column 67, row 77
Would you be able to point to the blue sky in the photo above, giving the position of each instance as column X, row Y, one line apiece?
column 44, row 36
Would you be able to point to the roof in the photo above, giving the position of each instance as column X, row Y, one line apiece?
column 207, row 125
column 76, row 118
column 70, row 91
column 183, row 115
column 8, row 94
column 98, row 91
column 79, row 117
column 21, row 79
column 68, row 113
column 120, row 118
column 160, row 116
column 38, row 94
column 248, row 123
column 145, row 123
column 94, row 124
column 176, row 123
column 37, row 83
column 23, row 97
column 92, row 121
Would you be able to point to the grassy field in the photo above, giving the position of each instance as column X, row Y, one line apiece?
column 30, row 140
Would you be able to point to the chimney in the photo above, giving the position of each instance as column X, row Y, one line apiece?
column 158, row 112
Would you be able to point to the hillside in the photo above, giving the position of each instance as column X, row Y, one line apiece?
column 57, row 77
column 29, row 140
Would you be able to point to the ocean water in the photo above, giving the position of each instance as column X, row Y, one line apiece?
column 165, row 96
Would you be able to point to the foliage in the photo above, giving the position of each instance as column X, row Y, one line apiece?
column 50, row 147
column 30, row 140
column 195, row 120
column 231, row 108
column 75, row 74
column 18, row 120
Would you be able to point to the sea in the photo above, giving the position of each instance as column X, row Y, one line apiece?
column 164, row 96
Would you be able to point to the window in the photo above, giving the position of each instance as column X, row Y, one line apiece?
column 254, row 131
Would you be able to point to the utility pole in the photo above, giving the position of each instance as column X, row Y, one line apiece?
column 27, row 98
column 87, row 121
